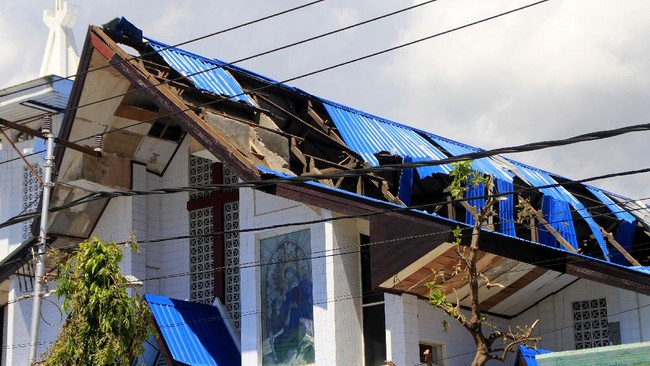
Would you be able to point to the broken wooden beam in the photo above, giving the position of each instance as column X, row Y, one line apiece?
column 619, row 247
column 547, row 226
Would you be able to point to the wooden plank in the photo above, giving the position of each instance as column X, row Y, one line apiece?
column 337, row 142
column 619, row 247
column 424, row 263
column 485, row 262
column 135, row 113
column 393, row 255
column 537, row 289
column 548, row 226
column 516, row 279
column 502, row 276
column 171, row 104
column 319, row 121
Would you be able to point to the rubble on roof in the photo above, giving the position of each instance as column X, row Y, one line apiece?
column 248, row 121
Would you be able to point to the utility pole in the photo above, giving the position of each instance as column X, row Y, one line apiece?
column 47, row 134
column 42, row 237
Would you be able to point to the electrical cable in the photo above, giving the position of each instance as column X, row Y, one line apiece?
column 226, row 65
column 325, row 253
column 348, row 62
column 253, row 184
column 242, row 25
column 344, row 297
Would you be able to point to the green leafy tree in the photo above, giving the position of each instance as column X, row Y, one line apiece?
column 498, row 343
column 104, row 325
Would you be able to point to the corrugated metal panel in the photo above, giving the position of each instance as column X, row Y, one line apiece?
column 526, row 356
column 487, row 166
column 206, row 74
column 540, row 178
column 636, row 208
column 484, row 165
column 626, row 228
column 368, row 135
column 195, row 334
column 556, row 210
column 611, row 205
column 632, row 354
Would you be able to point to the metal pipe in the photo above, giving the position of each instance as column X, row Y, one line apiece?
column 42, row 240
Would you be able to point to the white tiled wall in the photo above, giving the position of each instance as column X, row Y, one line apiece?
column 632, row 310
column 335, row 274
column 17, row 318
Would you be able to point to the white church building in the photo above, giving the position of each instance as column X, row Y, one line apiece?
column 314, row 255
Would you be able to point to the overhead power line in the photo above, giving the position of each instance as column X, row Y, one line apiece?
column 253, row 184
column 226, row 65
column 242, row 25
column 280, row 83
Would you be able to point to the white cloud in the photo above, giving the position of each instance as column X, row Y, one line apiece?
column 551, row 71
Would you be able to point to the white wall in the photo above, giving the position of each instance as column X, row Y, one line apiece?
column 335, row 276
column 151, row 217
column 410, row 321
column 17, row 318
column 632, row 310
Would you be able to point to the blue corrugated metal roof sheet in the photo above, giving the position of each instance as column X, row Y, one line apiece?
column 619, row 212
column 206, row 74
column 484, row 165
column 627, row 227
column 540, row 178
column 503, row 178
column 367, row 135
column 527, row 355
column 195, row 334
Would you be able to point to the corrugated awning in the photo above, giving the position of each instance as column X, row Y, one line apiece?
column 195, row 334
column 368, row 135
column 206, row 74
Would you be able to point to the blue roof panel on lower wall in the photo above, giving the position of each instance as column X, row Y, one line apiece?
column 195, row 334
column 526, row 356
column 368, row 135
column 206, row 74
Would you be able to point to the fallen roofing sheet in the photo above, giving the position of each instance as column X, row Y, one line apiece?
column 195, row 334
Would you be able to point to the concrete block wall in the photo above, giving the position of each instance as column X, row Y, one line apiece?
column 402, row 329
column 11, row 194
column 5, row 202
column 17, row 314
column 336, row 277
column 172, row 257
column 161, row 266
column 555, row 327
column 346, row 277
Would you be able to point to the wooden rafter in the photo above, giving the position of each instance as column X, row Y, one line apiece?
column 319, row 121
column 538, row 214
column 619, row 247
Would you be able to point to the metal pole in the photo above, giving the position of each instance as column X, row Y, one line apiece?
column 42, row 239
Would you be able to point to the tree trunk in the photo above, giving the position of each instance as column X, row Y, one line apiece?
column 481, row 357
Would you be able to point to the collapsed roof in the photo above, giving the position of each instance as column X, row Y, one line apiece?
column 147, row 103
